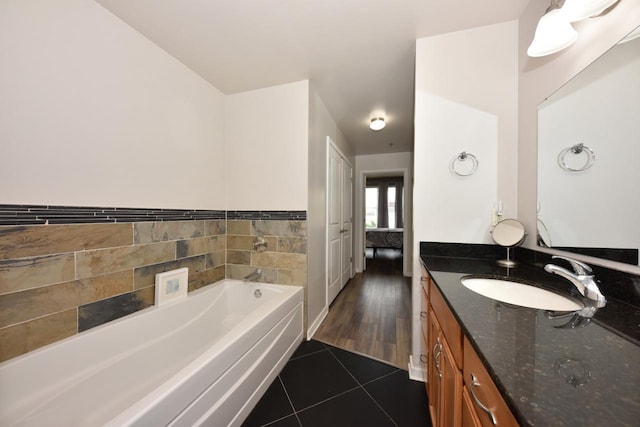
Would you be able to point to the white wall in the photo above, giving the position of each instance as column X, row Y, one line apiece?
column 93, row 114
column 540, row 77
column 374, row 165
column 267, row 147
column 321, row 125
column 599, row 108
column 466, row 100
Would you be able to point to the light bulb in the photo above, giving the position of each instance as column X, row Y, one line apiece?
column 553, row 33
column 377, row 123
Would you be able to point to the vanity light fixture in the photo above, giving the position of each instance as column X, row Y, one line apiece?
column 377, row 123
column 577, row 10
column 555, row 32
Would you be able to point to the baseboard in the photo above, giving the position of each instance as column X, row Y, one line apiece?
column 311, row 330
column 416, row 372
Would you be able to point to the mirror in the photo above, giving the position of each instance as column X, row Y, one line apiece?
column 508, row 233
column 589, row 159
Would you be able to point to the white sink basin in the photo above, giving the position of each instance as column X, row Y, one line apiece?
column 520, row 294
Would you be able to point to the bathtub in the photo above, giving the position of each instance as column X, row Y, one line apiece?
column 204, row 360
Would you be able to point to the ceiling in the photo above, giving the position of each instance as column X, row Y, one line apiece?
column 358, row 55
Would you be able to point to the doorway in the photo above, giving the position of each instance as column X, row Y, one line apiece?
column 372, row 314
column 383, row 215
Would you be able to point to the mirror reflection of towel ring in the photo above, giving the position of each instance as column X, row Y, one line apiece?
column 544, row 238
column 460, row 158
column 577, row 149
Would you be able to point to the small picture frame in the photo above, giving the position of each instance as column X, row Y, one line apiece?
column 171, row 285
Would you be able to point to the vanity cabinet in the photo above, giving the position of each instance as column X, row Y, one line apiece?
column 487, row 407
column 444, row 349
column 424, row 323
column 445, row 380
column 460, row 390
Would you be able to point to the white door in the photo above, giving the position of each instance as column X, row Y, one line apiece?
column 339, row 227
column 346, row 228
column 334, row 223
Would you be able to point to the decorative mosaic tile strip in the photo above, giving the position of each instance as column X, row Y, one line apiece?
column 268, row 215
column 38, row 214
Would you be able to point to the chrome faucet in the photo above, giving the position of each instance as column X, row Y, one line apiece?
column 582, row 278
column 257, row 274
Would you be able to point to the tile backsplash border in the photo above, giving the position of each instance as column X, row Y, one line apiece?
column 46, row 214
column 64, row 269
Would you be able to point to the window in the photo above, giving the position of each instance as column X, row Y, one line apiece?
column 371, row 207
column 391, row 206
column 383, row 202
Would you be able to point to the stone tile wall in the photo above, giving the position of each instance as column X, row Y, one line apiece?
column 58, row 280
column 285, row 259
column 64, row 270
column 283, row 262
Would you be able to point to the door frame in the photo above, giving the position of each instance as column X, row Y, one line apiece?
column 331, row 144
column 361, row 212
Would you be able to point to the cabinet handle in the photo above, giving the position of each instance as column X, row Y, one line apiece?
column 437, row 352
column 475, row 383
column 423, row 279
column 423, row 358
column 423, row 314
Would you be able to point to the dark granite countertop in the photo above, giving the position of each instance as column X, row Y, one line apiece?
column 550, row 374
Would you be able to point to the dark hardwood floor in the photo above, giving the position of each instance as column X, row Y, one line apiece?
column 372, row 314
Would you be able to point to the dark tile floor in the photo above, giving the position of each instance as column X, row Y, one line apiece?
column 324, row 386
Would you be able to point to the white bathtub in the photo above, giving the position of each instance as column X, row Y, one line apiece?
column 204, row 360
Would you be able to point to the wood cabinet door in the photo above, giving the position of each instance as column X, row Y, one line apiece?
column 469, row 416
column 451, row 392
column 433, row 376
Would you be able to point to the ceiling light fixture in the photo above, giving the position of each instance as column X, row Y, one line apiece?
column 377, row 123
column 555, row 32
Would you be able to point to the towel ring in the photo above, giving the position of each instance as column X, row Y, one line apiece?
column 577, row 149
column 462, row 157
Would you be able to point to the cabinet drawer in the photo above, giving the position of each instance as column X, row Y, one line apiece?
column 448, row 324
column 482, row 391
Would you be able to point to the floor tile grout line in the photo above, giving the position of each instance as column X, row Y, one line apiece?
column 345, row 368
column 365, row 390
column 359, row 386
column 309, row 354
column 381, row 408
column 396, row 369
column 293, row 408
column 270, row 423
column 328, row 399
column 379, row 378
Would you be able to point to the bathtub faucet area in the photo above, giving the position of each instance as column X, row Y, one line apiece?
column 257, row 274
